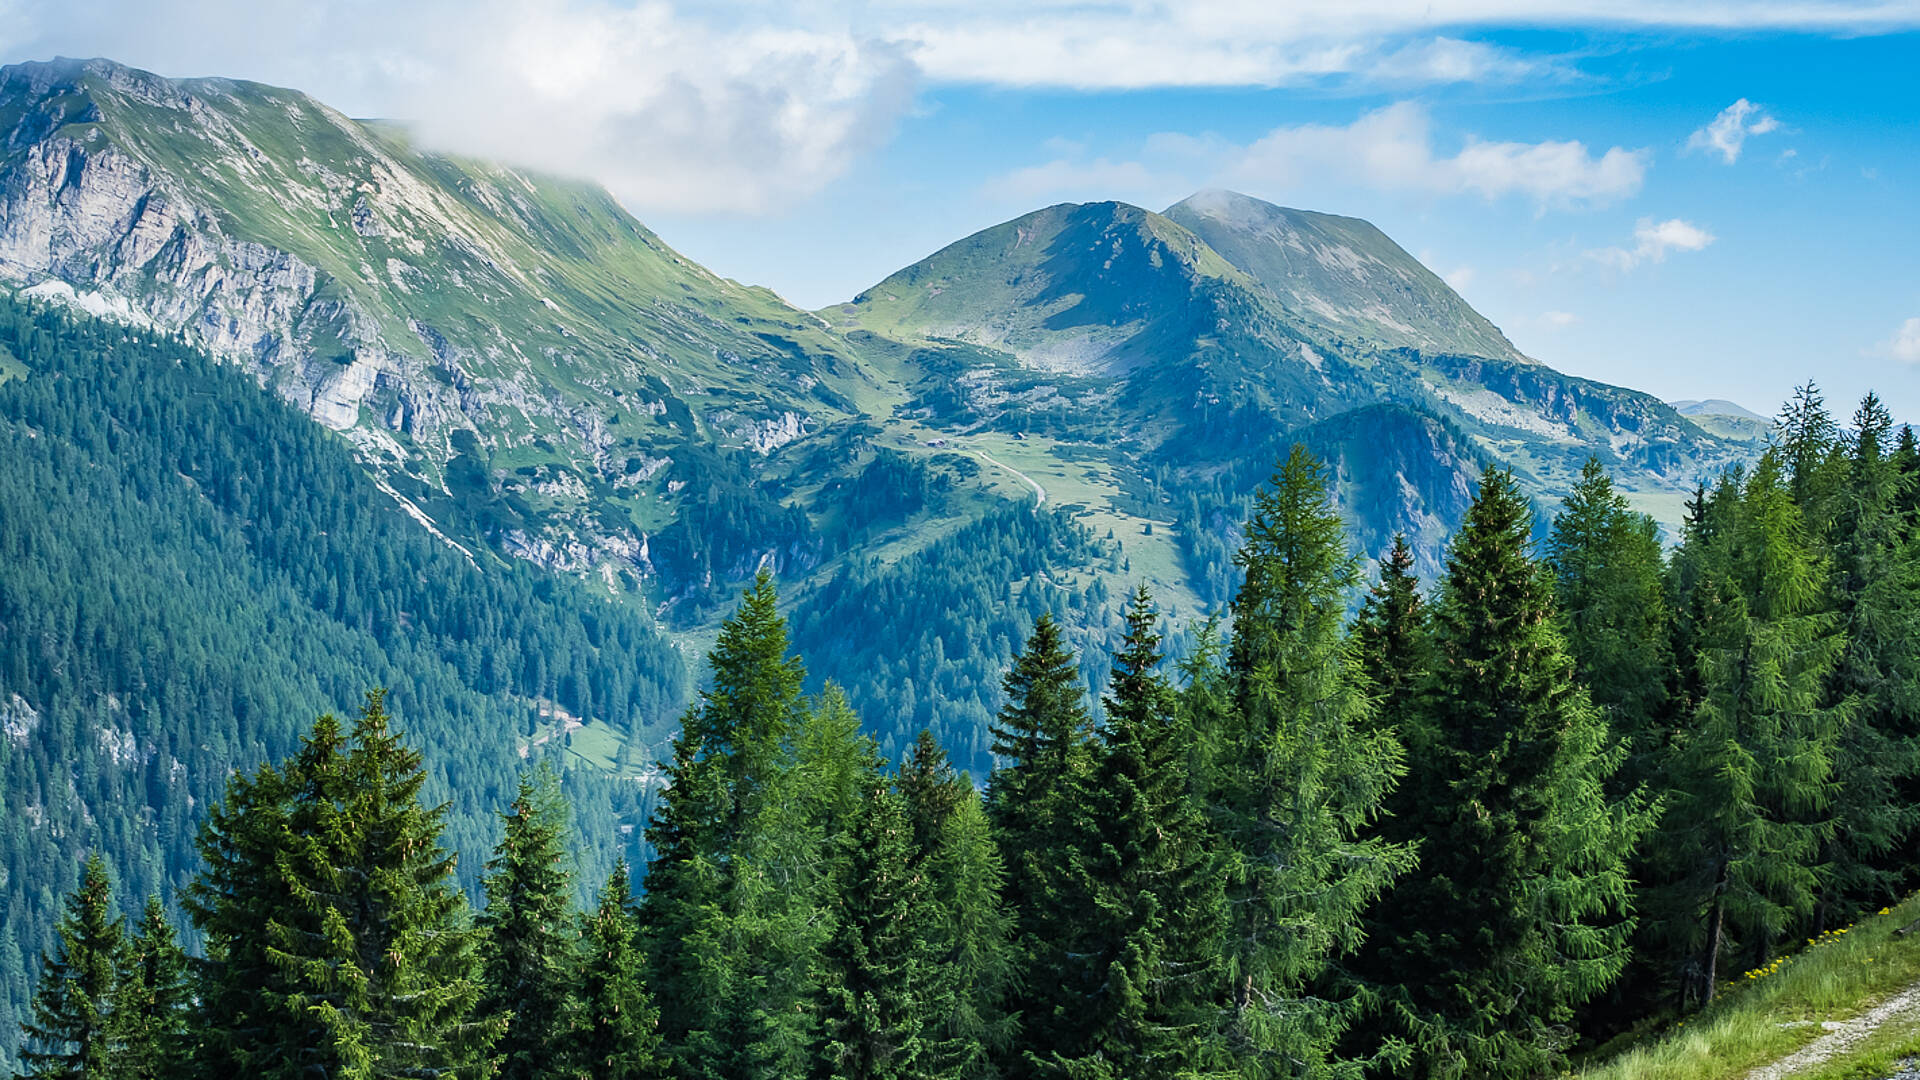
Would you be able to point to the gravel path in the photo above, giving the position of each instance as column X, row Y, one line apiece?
column 1845, row 1035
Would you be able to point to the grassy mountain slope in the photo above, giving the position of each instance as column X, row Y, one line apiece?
column 1342, row 273
column 433, row 308
column 1165, row 359
column 1845, row 1007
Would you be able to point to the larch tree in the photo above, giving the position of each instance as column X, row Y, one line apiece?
column 1301, row 775
column 1609, row 575
column 970, row 929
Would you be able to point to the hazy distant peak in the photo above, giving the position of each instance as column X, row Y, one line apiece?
column 1715, row 407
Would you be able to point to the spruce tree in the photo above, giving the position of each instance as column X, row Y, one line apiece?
column 970, row 939
column 335, row 934
column 70, row 1034
column 1807, row 442
column 1041, row 741
column 1519, row 908
column 932, row 790
column 526, row 946
column 1390, row 635
column 731, row 916
column 1143, row 962
column 1302, row 775
column 1609, row 577
column 878, row 1018
column 615, row 1026
column 1875, row 586
column 151, row 1038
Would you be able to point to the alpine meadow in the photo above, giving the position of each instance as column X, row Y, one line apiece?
column 447, row 631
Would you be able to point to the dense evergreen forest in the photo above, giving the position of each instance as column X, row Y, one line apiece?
column 193, row 571
column 1564, row 787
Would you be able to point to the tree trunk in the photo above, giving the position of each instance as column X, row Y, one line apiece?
column 1710, row 970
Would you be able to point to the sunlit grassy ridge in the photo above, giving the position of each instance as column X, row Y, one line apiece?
column 1764, row 1015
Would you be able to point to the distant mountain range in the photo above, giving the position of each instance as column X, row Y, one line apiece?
column 533, row 374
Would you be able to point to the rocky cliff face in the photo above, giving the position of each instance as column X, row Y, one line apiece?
column 86, row 220
column 415, row 302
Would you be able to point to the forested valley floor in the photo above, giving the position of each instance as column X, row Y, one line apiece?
column 1571, row 787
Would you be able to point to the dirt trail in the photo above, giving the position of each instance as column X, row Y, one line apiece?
column 1844, row 1035
column 1039, row 493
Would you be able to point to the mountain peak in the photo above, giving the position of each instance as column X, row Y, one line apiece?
column 1342, row 273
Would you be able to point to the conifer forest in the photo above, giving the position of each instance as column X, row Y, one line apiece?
column 1359, row 825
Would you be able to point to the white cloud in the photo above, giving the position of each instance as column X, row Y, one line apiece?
column 1558, row 320
column 672, row 111
column 1393, row 149
column 1389, row 149
column 1459, row 278
column 1904, row 346
column 1089, row 44
column 750, row 105
column 1652, row 241
column 1730, row 130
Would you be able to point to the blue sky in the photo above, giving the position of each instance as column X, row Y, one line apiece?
column 1720, row 206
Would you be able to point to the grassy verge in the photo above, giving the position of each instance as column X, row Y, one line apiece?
column 1765, row 1015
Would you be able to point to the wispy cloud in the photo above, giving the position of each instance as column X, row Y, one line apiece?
column 1904, row 345
column 1393, row 149
column 1099, row 44
column 673, row 111
column 752, row 105
column 1729, row 131
column 1652, row 241
column 1388, row 149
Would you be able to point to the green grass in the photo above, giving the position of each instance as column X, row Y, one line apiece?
column 10, row 368
column 1765, row 1016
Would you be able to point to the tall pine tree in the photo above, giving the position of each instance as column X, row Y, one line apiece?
column 1143, row 964
column 336, row 938
column 526, row 944
column 151, row 1037
column 70, row 1035
column 1042, row 744
column 1391, row 636
column 971, row 932
column 1875, row 586
column 879, row 1017
column 731, row 916
column 615, row 1031
column 1609, row 576
column 1750, row 777
column 1519, row 908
